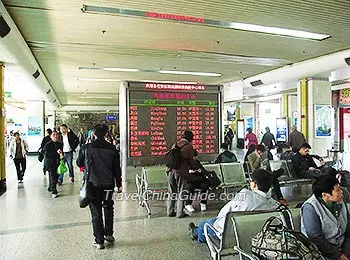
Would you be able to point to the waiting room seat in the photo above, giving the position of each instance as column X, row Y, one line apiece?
column 153, row 178
column 233, row 175
column 281, row 164
column 239, row 229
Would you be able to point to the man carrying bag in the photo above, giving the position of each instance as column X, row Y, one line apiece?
column 102, row 162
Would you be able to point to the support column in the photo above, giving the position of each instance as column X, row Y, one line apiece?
column 2, row 133
column 303, row 87
column 43, row 119
column 285, row 106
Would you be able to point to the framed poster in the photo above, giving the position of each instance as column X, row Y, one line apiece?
column 281, row 129
column 240, row 129
column 248, row 122
column 34, row 126
column 323, row 121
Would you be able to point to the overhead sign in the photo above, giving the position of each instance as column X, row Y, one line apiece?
column 111, row 118
column 8, row 94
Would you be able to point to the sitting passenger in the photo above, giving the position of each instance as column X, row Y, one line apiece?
column 195, row 180
column 303, row 163
column 325, row 218
column 225, row 156
column 246, row 165
column 260, row 159
column 245, row 200
column 286, row 153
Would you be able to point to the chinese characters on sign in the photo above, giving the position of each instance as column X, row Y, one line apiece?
column 158, row 119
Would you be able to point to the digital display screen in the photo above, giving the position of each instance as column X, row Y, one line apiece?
column 158, row 118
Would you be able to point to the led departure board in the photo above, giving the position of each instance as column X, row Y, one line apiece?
column 159, row 114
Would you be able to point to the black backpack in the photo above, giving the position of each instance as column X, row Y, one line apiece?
column 173, row 158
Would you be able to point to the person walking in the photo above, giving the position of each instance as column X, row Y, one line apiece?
column 228, row 138
column 296, row 139
column 268, row 139
column 70, row 142
column 45, row 140
column 251, row 137
column 18, row 152
column 53, row 153
column 102, row 163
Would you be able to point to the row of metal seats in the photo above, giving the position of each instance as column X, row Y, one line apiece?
column 239, row 229
column 154, row 178
column 289, row 176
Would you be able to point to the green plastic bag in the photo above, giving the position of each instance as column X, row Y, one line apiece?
column 62, row 168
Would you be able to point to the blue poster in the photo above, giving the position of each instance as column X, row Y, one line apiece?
column 282, row 128
column 248, row 122
column 34, row 125
column 323, row 121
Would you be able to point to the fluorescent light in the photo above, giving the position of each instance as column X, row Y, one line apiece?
column 94, row 79
column 278, row 31
column 206, row 22
column 98, row 97
column 179, row 72
column 121, row 69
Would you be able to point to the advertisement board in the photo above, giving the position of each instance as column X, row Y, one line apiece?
column 323, row 121
column 281, row 129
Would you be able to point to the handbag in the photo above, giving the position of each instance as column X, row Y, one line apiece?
column 211, row 179
column 62, row 168
column 277, row 242
column 40, row 155
column 86, row 192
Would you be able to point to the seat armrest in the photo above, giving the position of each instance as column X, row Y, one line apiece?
column 248, row 255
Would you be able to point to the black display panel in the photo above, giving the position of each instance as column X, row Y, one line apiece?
column 158, row 117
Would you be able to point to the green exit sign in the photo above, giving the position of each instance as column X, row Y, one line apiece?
column 7, row 94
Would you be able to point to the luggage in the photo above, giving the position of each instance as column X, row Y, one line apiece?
column 277, row 242
column 211, row 179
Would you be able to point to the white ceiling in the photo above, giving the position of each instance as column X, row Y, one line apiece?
column 62, row 39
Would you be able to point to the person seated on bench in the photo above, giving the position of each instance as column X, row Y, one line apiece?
column 225, row 156
column 286, row 153
column 245, row 200
column 250, row 150
column 259, row 159
column 325, row 218
column 195, row 180
column 304, row 164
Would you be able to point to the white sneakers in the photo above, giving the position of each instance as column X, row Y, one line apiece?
column 189, row 208
column 54, row 196
column 98, row 246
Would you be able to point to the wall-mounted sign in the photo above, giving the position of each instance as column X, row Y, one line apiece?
column 8, row 94
column 281, row 129
column 158, row 86
column 111, row 118
column 323, row 120
column 248, row 122
column 344, row 97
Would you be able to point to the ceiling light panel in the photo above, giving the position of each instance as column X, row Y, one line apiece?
column 206, row 22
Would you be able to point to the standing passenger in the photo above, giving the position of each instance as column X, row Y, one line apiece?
column 268, row 139
column 177, row 178
column 18, row 152
column 70, row 142
column 52, row 154
column 251, row 137
column 296, row 139
column 102, row 163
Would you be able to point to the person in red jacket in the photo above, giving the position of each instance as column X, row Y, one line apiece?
column 251, row 137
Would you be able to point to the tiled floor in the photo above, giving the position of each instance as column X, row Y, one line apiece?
column 35, row 226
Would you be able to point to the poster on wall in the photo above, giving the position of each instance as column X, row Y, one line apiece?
column 34, row 126
column 240, row 129
column 231, row 113
column 344, row 97
column 248, row 122
column 281, row 129
column 323, row 121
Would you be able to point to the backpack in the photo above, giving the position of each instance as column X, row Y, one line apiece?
column 275, row 241
column 212, row 179
column 173, row 158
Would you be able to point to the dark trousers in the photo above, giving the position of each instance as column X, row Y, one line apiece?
column 196, row 182
column 53, row 176
column 21, row 164
column 102, row 199
column 276, row 184
column 177, row 194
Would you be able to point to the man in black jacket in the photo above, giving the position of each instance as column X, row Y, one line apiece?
column 226, row 156
column 303, row 164
column 70, row 142
column 101, row 159
column 45, row 140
